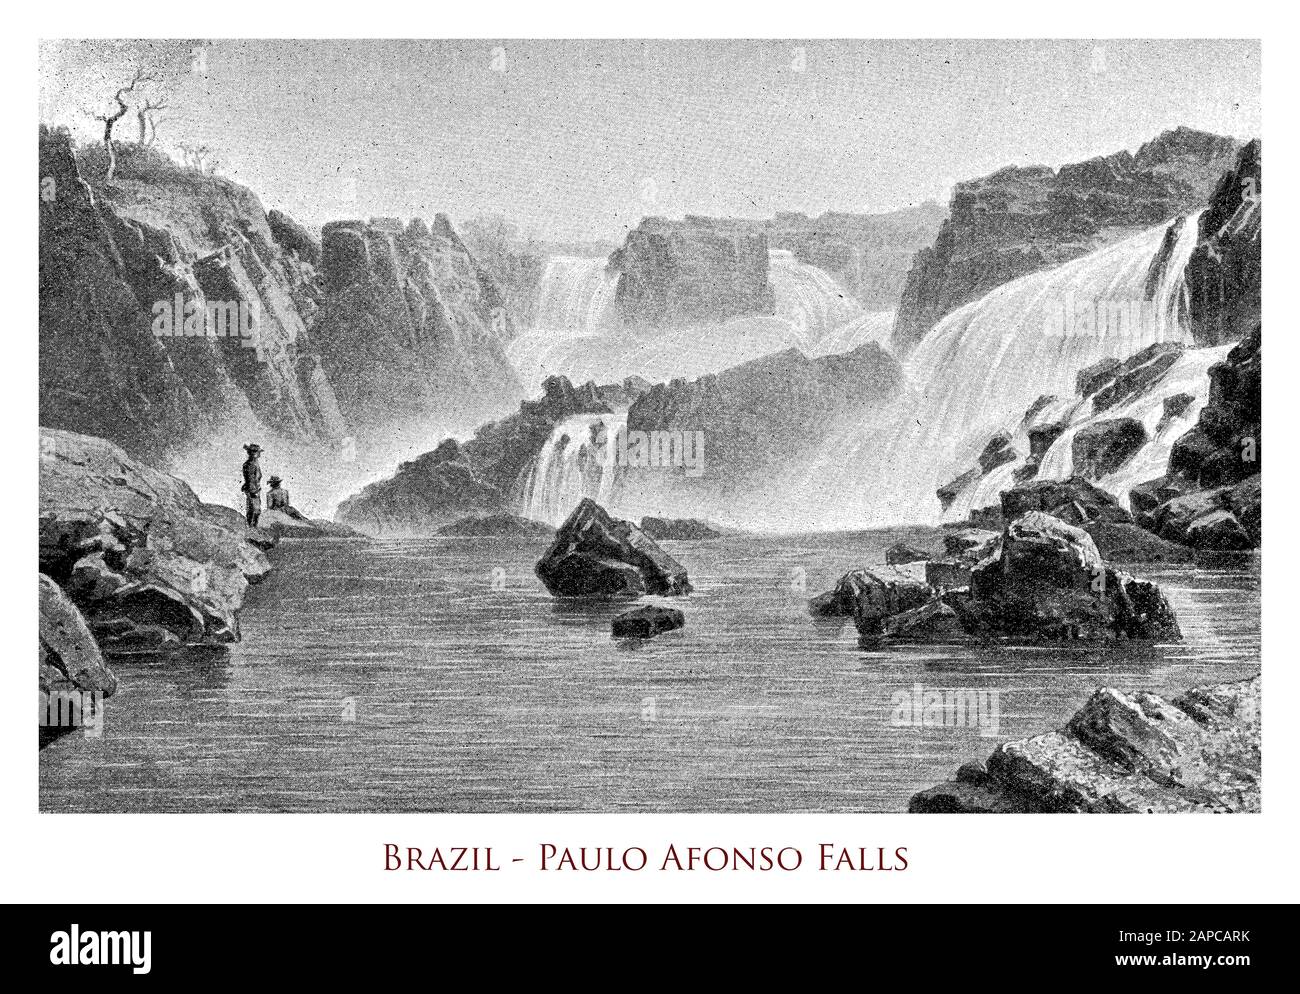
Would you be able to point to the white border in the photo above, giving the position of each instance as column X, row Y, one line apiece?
column 338, row 858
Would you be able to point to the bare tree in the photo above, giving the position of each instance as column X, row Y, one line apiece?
column 139, row 79
column 148, row 115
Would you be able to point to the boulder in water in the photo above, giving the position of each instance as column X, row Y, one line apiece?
column 596, row 555
column 1050, row 583
column 69, row 657
column 646, row 622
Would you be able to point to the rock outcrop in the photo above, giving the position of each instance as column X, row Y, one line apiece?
column 758, row 420
column 148, row 565
column 646, row 622
column 410, row 328
column 1210, row 497
column 696, row 271
column 1049, row 583
column 1123, row 753
column 69, row 657
column 1023, row 219
column 492, row 525
column 117, row 260
column 677, row 529
column 597, row 556
column 1041, row 580
column 1225, row 271
column 479, row 477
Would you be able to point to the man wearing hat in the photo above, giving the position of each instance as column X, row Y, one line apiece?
column 252, row 487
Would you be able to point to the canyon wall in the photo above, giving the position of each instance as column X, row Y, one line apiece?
column 1022, row 219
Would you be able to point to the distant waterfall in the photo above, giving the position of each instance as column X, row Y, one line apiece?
column 577, row 461
column 808, row 299
column 576, row 295
column 979, row 369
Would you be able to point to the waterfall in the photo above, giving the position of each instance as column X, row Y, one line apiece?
column 576, row 295
column 577, row 335
column 577, row 461
column 980, row 367
column 808, row 299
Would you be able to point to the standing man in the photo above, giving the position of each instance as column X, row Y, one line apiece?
column 253, row 483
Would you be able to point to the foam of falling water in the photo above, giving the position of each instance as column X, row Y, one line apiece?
column 577, row 461
column 576, row 295
column 978, row 370
column 577, row 334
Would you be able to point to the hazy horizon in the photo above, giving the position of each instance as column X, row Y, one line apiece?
column 578, row 140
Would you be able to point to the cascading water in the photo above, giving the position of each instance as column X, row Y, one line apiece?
column 575, row 295
column 978, row 370
column 577, row 461
column 577, row 334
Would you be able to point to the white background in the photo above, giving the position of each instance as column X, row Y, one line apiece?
column 339, row 858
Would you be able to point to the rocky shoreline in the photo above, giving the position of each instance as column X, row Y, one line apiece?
column 1122, row 753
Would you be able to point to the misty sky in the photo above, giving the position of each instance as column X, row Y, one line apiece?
column 580, row 140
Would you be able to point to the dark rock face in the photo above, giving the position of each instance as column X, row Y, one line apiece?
column 1023, row 219
column 1103, row 447
column 877, row 592
column 1225, row 270
column 478, row 477
column 147, row 564
column 1132, row 376
column 410, row 326
column 293, row 237
column 111, row 257
column 1210, row 497
column 495, row 524
column 997, row 452
column 677, row 529
column 1074, row 501
column 646, row 622
column 1124, row 753
column 761, row 416
column 595, row 555
column 691, row 272
column 69, row 656
column 1050, row 583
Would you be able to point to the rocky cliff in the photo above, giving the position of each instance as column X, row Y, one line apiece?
column 410, row 329
column 676, row 273
column 1026, row 218
column 868, row 254
column 1224, row 274
column 1123, row 753
column 178, row 319
column 121, row 269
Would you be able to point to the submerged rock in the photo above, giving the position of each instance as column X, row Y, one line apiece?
column 1125, row 753
column 678, row 529
column 483, row 526
column 646, row 622
column 596, row 555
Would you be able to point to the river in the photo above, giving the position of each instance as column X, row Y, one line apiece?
column 437, row 675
